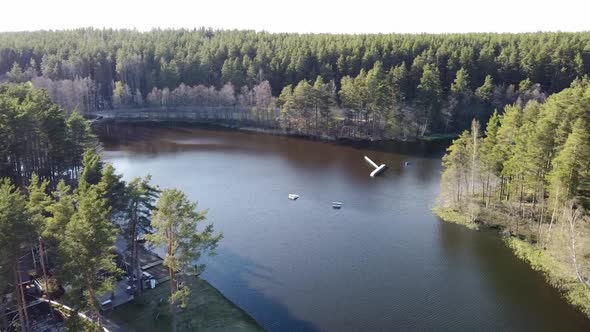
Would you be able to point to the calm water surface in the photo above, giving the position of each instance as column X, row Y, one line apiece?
column 383, row 262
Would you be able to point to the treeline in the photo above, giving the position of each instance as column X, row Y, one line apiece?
column 37, row 137
column 61, row 209
column 468, row 74
column 530, row 175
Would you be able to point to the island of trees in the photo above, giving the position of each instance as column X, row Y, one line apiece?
column 529, row 175
column 352, row 86
column 61, row 209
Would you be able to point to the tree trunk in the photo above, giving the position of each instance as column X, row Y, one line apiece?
column 172, row 304
column 573, row 216
column 24, row 304
column 21, row 307
column 34, row 258
column 44, row 269
column 542, row 215
column 135, row 253
column 93, row 303
column 552, row 217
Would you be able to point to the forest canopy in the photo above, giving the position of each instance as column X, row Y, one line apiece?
column 383, row 84
column 529, row 175
column 37, row 137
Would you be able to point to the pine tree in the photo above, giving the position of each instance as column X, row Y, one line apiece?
column 456, row 168
column 80, row 139
column 510, row 123
column 141, row 196
column 318, row 100
column 570, row 170
column 460, row 86
column 485, row 92
column 36, row 207
column 474, row 151
column 285, row 103
column 92, row 171
column 176, row 228
column 571, row 164
column 15, row 229
column 460, row 96
column 491, row 162
column 327, row 104
column 113, row 188
column 60, row 211
column 15, row 75
column 428, row 99
column 87, row 250
column 303, row 105
column 397, row 90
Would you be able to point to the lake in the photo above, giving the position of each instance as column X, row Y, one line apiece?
column 382, row 262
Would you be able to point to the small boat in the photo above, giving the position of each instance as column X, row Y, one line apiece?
column 407, row 163
column 336, row 205
column 293, row 197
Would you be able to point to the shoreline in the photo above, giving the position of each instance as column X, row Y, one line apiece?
column 208, row 310
column 275, row 131
column 555, row 272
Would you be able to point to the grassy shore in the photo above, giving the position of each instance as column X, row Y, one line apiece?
column 208, row 310
column 455, row 217
column 557, row 272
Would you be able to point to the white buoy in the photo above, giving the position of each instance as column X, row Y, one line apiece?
column 378, row 169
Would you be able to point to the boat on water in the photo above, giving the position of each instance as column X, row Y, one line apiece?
column 293, row 197
column 336, row 205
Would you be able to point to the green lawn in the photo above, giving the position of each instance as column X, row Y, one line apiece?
column 208, row 310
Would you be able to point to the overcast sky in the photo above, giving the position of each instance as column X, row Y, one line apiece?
column 343, row 16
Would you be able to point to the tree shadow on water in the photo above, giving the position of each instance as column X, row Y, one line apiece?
column 233, row 275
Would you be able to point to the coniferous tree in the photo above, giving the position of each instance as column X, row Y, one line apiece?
column 176, row 228
column 460, row 96
column 456, row 164
column 87, row 249
column 570, row 169
column 485, row 92
column 36, row 206
column 428, row 99
column 15, row 229
column 491, row 162
column 533, row 168
column 60, row 210
column 287, row 117
column 141, row 196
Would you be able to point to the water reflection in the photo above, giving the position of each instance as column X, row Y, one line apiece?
column 239, row 276
column 300, row 154
column 383, row 262
column 509, row 289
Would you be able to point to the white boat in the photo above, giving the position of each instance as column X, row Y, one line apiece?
column 293, row 197
column 336, row 205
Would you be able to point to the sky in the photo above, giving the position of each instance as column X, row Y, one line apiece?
column 305, row 16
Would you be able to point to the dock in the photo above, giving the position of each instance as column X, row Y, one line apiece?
column 378, row 168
